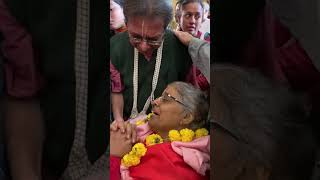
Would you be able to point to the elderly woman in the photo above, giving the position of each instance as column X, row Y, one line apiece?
column 259, row 128
column 171, row 151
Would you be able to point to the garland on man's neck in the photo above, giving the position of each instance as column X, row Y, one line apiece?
column 139, row 149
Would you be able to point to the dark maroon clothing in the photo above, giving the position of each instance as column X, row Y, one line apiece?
column 22, row 78
column 273, row 49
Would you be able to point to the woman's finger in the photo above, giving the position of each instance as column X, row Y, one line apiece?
column 134, row 133
column 128, row 130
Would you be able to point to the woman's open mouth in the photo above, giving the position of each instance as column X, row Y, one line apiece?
column 155, row 113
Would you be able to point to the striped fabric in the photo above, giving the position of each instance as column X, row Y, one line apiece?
column 79, row 166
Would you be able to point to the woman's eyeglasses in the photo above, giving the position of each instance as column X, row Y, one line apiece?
column 166, row 97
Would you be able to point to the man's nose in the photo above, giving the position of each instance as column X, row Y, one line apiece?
column 144, row 46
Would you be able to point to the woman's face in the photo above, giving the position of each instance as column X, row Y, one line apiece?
column 168, row 111
column 116, row 16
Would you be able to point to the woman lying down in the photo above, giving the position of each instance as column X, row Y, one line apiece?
column 170, row 143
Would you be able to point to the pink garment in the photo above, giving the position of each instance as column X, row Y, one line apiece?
column 142, row 130
column 117, row 85
column 196, row 153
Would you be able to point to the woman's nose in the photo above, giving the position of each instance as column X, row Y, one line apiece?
column 156, row 101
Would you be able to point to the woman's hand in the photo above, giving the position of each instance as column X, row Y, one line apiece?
column 119, row 143
column 126, row 128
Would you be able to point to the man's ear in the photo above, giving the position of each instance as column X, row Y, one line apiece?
column 188, row 118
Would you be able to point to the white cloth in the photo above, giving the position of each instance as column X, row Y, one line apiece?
column 205, row 28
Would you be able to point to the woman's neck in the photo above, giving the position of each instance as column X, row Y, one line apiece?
column 164, row 136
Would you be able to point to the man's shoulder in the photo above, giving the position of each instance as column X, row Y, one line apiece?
column 119, row 38
column 119, row 42
column 174, row 43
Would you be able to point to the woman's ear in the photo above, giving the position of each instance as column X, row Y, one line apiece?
column 188, row 118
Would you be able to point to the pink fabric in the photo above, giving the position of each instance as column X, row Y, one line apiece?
column 142, row 130
column 117, row 85
column 22, row 77
column 196, row 153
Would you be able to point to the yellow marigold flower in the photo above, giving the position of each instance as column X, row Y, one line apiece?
column 139, row 150
column 186, row 135
column 149, row 116
column 140, row 122
column 201, row 132
column 153, row 139
column 129, row 160
column 174, row 135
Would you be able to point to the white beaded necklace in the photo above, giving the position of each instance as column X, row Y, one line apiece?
column 134, row 111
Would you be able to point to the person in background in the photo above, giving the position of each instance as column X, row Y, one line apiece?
column 117, row 20
column 190, row 16
column 258, row 129
column 205, row 25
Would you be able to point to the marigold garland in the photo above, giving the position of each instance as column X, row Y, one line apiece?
column 143, row 121
column 174, row 135
column 139, row 149
column 201, row 132
column 186, row 135
column 153, row 139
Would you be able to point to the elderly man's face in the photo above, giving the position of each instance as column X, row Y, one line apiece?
column 191, row 18
column 145, row 34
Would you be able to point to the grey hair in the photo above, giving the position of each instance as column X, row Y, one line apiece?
column 149, row 8
column 195, row 102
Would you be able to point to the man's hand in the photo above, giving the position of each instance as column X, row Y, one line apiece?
column 184, row 37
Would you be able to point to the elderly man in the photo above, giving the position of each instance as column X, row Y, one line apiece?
column 146, row 58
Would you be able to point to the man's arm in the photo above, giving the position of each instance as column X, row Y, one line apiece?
column 117, row 106
column 117, row 87
column 24, row 137
column 199, row 51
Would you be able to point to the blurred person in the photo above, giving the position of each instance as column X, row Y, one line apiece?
column 205, row 25
column 117, row 19
column 56, row 94
column 190, row 17
column 259, row 129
